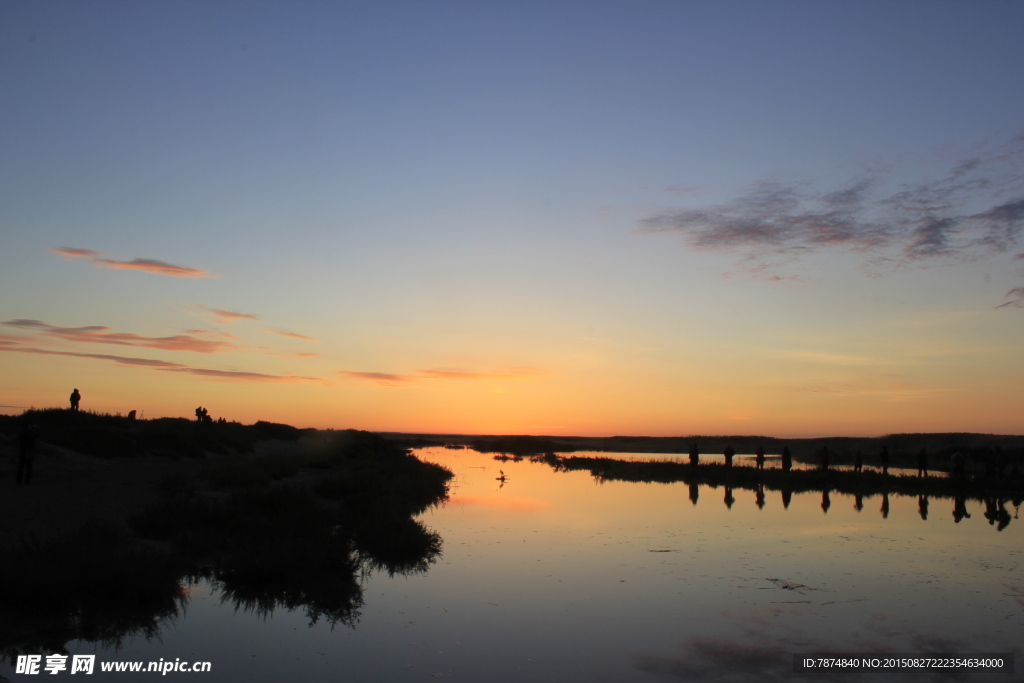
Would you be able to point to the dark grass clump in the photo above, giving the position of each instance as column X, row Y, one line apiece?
column 94, row 585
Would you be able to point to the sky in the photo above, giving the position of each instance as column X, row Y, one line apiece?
column 569, row 218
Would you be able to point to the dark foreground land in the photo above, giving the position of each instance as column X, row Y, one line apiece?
column 123, row 515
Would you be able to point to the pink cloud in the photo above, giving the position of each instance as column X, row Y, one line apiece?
column 98, row 334
column 291, row 335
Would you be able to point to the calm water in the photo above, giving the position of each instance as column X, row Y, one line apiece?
column 554, row 576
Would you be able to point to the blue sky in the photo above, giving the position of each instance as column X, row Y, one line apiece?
column 635, row 215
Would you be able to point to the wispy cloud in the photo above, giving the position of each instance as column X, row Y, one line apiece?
column 382, row 378
column 223, row 316
column 144, row 264
column 171, row 367
column 72, row 252
column 392, row 379
column 98, row 334
column 290, row 335
column 975, row 209
column 1016, row 298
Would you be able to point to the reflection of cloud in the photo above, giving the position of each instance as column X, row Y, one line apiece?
column 389, row 379
column 291, row 335
column 145, row 264
column 98, row 334
column 225, row 317
column 170, row 367
column 502, row 503
column 975, row 209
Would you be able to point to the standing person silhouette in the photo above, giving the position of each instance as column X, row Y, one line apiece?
column 729, row 452
column 760, row 457
column 26, row 452
column 787, row 459
column 75, row 398
column 694, row 454
column 884, row 457
column 922, row 463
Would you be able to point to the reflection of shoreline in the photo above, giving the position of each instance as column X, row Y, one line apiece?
column 865, row 483
column 275, row 531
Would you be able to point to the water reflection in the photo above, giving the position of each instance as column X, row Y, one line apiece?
column 264, row 548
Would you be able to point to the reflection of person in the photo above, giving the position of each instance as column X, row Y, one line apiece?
column 960, row 509
column 858, row 502
column 787, row 496
column 729, row 499
column 759, row 497
column 885, row 506
column 26, row 452
column 787, row 459
column 826, row 501
column 729, row 452
column 694, row 493
column 922, row 507
column 75, row 398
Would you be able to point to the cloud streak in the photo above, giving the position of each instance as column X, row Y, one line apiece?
column 98, row 334
column 392, row 379
column 167, row 366
column 290, row 335
column 974, row 210
column 223, row 316
column 147, row 265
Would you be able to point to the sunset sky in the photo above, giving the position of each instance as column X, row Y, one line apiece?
column 592, row 218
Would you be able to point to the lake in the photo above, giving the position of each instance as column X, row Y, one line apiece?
column 555, row 576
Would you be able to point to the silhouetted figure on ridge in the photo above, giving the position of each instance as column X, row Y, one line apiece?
column 922, row 507
column 694, row 493
column 75, row 399
column 787, row 459
column 922, row 463
column 760, row 457
column 27, row 436
column 694, row 454
column 959, row 462
column 131, row 415
column 729, row 452
column 884, row 457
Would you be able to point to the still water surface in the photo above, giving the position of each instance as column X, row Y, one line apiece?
column 554, row 576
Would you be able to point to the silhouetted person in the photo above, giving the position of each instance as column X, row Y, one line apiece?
column 760, row 458
column 694, row 493
column 787, row 496
column 825, row 458
column 759, row 497
column 729, row 500
column 694, row 454
column 922, row 463
column 884, row 457
column 959, row 462
column 885, row 506
column 960, row 509
column 922, row 507
column 858, row 461
column 826, row 501
column 131, row 415
column 787, row 460
column 75, row 399
column 858, row 502
column 729, row 452
column 199, row 414
column 27, row 436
